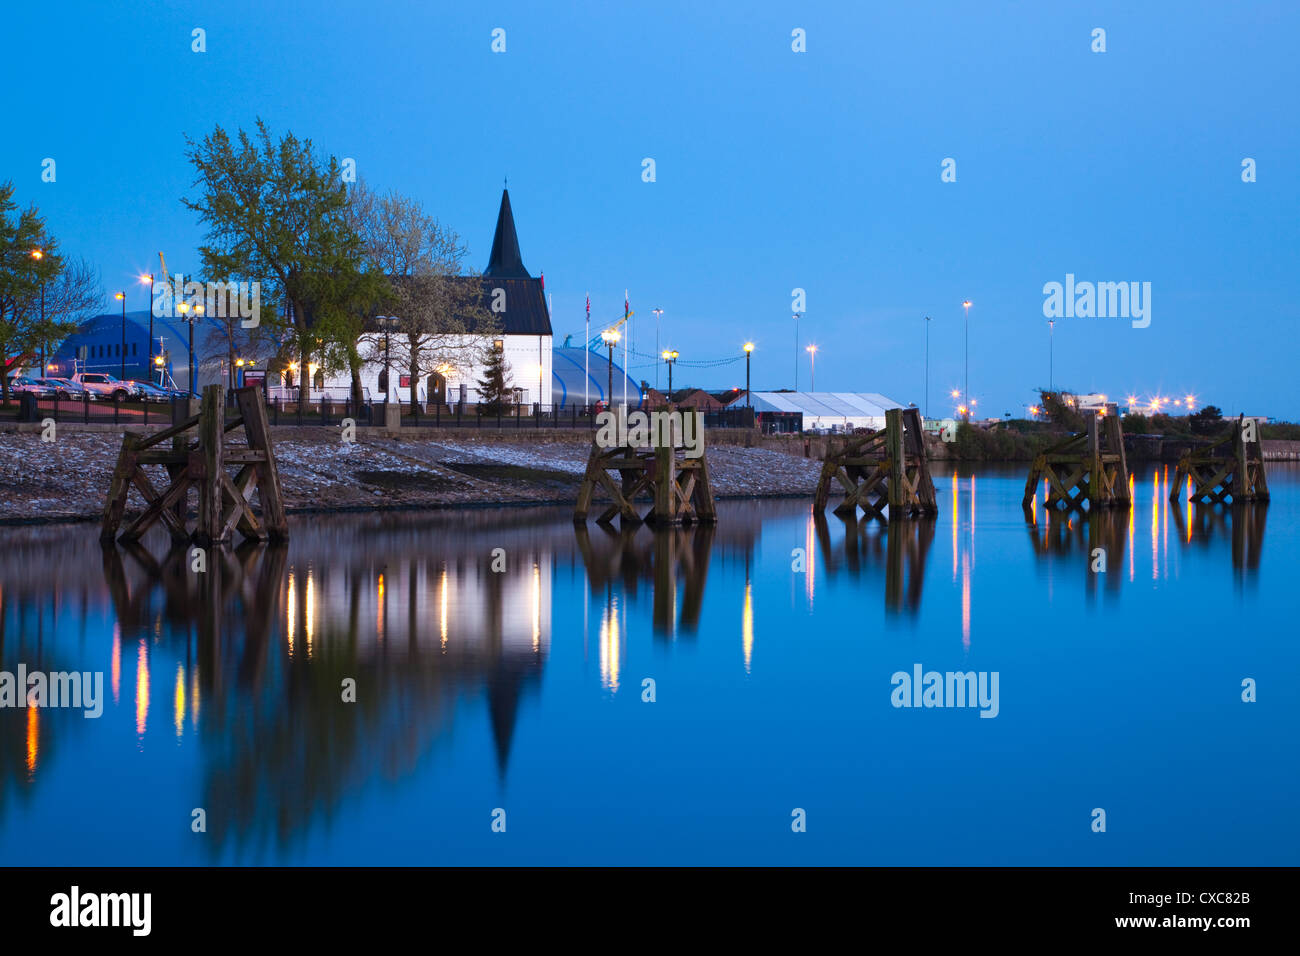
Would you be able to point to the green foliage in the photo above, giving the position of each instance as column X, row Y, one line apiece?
column 41, row 299
column 1060, row 411
column 1280, row 431
column 277, row 213
column 1011, row 441
column 495, row 392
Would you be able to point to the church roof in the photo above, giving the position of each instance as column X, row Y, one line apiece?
column 506, row 262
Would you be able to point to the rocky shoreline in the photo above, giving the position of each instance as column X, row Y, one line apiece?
column 67, row 479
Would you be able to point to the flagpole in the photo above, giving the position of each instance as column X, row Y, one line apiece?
column 586, row 361
column 626, row 336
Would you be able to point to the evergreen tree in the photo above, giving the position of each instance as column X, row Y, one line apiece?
column 495, row 392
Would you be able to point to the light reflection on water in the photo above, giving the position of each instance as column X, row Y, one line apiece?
column 522, row 687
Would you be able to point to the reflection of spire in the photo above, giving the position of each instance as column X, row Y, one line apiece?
column 505, row 688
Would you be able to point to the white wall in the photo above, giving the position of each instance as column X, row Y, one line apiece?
column 524, row 353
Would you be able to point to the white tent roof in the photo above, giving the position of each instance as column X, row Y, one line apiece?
column 826, row 404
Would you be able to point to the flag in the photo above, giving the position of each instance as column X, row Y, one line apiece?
column 588, row 306
column 626, row 307
column 543, row 278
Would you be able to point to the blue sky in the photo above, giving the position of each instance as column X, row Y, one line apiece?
column 775, row 170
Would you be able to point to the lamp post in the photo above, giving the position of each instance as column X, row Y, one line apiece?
column 386, row 323
column 148, row 358
column 927, row 366
column 121, row 297
column 796, row 351
column 610, row 338
column 1051, row 353
column 657, row 312
column 38, row 255
column 966, row 387
column 812, row 352
column 749, row 349
column 670, row 356
column 190, row 315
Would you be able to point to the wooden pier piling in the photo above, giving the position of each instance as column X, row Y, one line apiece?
column 1086, row 468
column 887, row 468
column 199, row 458
column 1231, row 468
column 678, row 485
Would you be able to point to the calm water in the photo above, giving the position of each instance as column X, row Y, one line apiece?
column 522, row 690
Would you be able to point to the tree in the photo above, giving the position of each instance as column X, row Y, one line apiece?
column 277, row 213
column 422, row 261
column 71, row 291
column 494, row 387
column 1207, row 421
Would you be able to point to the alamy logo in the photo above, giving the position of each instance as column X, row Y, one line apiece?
column 218, row 300
column 133, row 910
column 655, row 429
column 1102, row 300
column 949, row 689
column 82, row 690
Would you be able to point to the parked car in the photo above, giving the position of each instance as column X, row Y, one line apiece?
column 152, row 393
column 64, row 390
column 36, row 387
column 106, row 386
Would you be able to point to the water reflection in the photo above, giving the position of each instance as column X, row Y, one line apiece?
column 227, row 686
column 1197, row 527
column 1200, row 526
column 901, row 545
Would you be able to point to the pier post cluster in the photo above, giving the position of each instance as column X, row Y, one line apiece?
column 888, row 468
column 200, row 458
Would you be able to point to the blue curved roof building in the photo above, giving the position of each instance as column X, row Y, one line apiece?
column 569, row 386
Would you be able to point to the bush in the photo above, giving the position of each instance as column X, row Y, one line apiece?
column 1009, row 442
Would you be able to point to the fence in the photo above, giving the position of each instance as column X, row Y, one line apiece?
column 327, row 411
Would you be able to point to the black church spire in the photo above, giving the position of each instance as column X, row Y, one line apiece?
column 506, row 263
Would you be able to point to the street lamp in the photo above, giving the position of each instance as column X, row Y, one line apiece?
column 387, row 323
column 610, row 338
column 927, row 366
column 796, row 351
column 38, row 255
column 966, row 306
column 121, row 297
column 670, row 356
column 190, row 315
column 149, row 279
column 749, row 350
column 1051, row 353
column 657, row 312
column 812, row 353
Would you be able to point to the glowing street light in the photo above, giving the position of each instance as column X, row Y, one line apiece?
column 812, row 352
column 966, row 305
column 749, row 349
column 610, row 338
column 148, row 277
column 121, row 297
column 38, row 255
column 670, row 356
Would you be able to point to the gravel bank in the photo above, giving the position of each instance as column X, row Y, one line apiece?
column 68, row 478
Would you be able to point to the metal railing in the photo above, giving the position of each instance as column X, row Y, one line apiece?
column 331, row 411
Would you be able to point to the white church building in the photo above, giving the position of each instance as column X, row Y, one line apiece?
column 516, row 301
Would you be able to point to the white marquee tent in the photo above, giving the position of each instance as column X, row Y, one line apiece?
column 846, row 410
